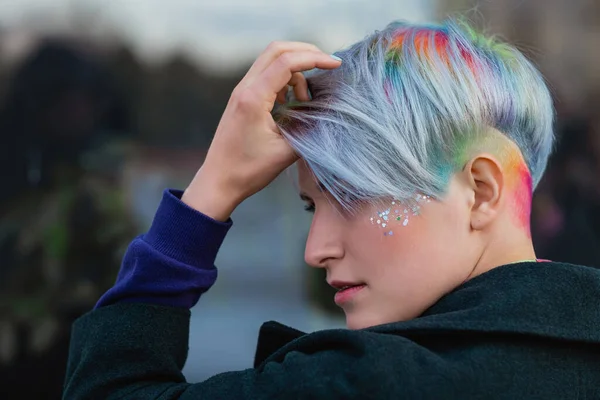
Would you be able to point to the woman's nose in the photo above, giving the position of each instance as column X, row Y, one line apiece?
column 323, row 245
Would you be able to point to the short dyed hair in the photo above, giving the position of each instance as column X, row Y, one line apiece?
column 407, row 104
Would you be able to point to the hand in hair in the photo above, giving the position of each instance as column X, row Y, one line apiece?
column 248, row 151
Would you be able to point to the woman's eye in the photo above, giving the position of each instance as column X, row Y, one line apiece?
column 310, row 208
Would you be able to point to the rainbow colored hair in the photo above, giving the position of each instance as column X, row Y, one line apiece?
column 411, row 103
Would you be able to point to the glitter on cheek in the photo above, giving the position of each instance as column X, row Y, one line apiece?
column 402, row 217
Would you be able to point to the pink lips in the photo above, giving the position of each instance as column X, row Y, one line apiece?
column 346, row 294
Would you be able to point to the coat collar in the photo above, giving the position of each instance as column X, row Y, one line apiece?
column 271, row 337
column 552, row 300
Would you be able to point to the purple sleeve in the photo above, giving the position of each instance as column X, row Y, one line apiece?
column 173, row 263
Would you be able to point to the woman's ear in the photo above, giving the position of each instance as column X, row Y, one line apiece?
column 486, row 179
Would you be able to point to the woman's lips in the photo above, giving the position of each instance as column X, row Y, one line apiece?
column 347, row 293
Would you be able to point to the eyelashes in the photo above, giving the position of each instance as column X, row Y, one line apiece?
column 349, row 199
column 309, row 208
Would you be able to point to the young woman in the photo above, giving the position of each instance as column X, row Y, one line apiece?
column 418, row 149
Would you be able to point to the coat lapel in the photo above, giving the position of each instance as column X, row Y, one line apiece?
column 271, row 337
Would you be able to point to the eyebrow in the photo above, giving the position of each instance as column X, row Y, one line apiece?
column 306, row 197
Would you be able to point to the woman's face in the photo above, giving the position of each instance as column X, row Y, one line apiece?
column 394, row 276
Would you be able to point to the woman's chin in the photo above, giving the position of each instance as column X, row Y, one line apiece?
column 355, row 321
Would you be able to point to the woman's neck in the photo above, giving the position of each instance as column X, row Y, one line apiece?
column 508, row 246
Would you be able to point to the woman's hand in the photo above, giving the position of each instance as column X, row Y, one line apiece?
column 248, row 151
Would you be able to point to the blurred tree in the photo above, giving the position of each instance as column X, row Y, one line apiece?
column 129, row 79
column 182, row 105
column 63, row 221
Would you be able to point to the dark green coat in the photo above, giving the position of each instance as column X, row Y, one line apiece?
column 521, row 331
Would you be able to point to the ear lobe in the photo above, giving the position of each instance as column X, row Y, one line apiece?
column 487, row 181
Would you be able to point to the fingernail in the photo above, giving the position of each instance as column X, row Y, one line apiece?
column 335, row 57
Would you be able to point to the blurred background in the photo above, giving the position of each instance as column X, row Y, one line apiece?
column 105, row 103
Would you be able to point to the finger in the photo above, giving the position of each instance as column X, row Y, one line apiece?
column 300, row 86
column 298, row 82
column 282, row 95
column 272, row 52
column 280, row 72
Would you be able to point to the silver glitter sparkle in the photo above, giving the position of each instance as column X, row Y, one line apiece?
column 399, row 216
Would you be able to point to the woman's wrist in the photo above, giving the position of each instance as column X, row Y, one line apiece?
column 208, row 195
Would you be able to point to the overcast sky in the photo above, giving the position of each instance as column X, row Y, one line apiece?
column 222, row 32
